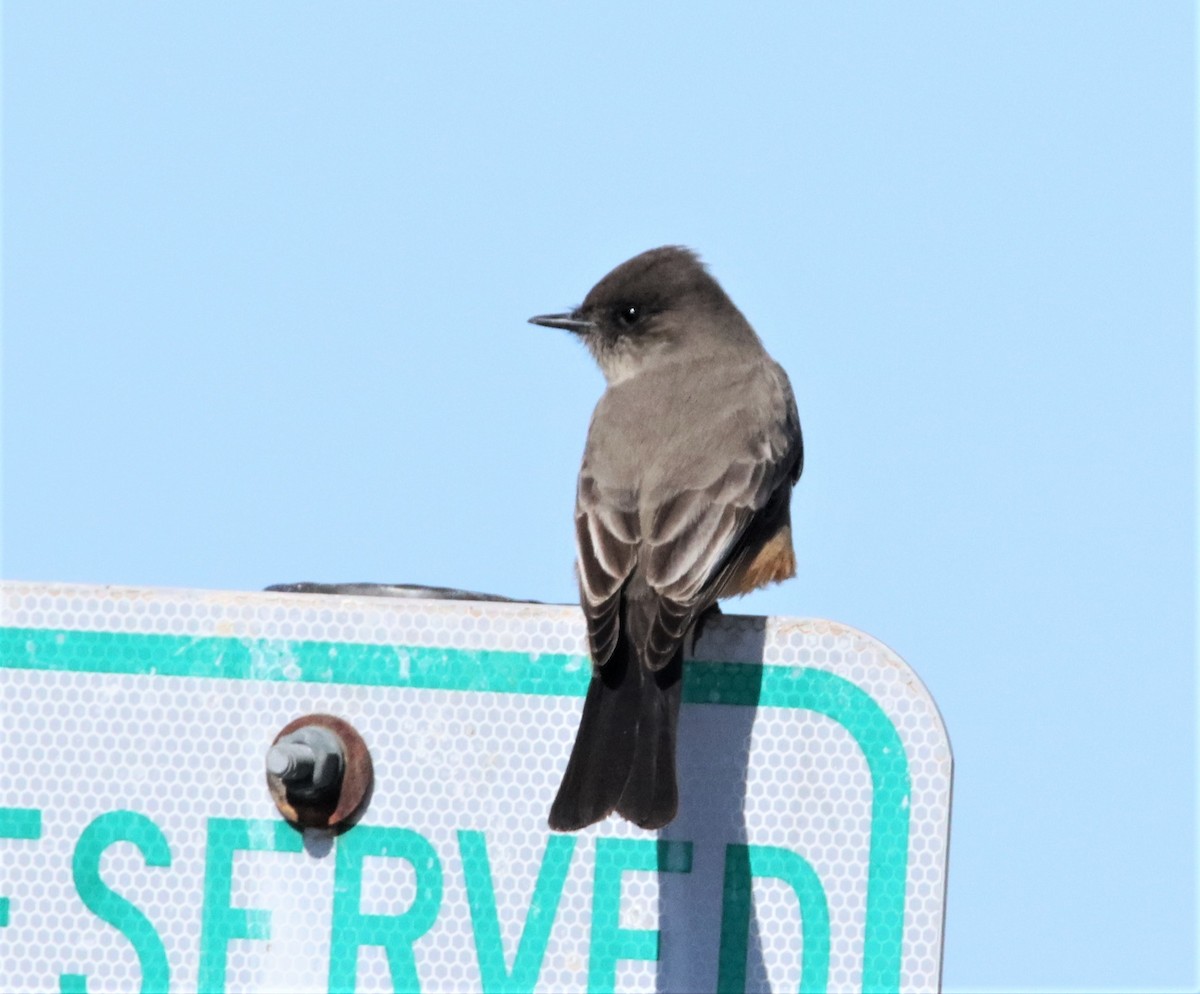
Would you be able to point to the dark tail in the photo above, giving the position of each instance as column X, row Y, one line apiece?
column 624, row 754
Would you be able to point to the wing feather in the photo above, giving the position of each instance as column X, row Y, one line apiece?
column 651, row 568
column 606, row 538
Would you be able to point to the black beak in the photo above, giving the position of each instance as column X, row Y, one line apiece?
column 568, row 322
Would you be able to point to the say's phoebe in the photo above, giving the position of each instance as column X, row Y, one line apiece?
column 683, row 498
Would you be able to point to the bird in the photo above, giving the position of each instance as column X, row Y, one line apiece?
column 683, row 498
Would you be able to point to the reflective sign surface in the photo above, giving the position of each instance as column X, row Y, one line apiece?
column 139, row 847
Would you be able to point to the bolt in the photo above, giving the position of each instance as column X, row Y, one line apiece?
column 319, row 773
column 310, row 761
column 292, row 762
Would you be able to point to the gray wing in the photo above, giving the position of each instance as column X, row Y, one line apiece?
column 607, row 535
column 674, row 571
column 698, row 539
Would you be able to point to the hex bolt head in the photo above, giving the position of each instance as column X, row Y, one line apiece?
column 310, row 761
column 319, row 773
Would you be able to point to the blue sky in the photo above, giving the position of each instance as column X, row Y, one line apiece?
column 266, row 273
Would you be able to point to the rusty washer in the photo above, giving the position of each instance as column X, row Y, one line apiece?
column 319, row 773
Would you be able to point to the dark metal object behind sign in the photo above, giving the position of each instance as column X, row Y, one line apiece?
column 410, row 590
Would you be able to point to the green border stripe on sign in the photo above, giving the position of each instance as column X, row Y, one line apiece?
column 559, row 674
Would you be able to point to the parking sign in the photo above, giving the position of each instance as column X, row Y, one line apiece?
column 140, row 847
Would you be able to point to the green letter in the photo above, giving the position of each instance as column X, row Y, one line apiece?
column 108, row 905
column 18, row 823
column 396, row 933
column 220, row 923
column 742, row 864
column 610, row 942
column 481, row 896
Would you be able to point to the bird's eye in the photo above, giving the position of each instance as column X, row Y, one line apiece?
column 628, row 314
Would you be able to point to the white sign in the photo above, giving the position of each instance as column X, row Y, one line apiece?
column 140, row 847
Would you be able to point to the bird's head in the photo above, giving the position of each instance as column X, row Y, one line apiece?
column 655, row 308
